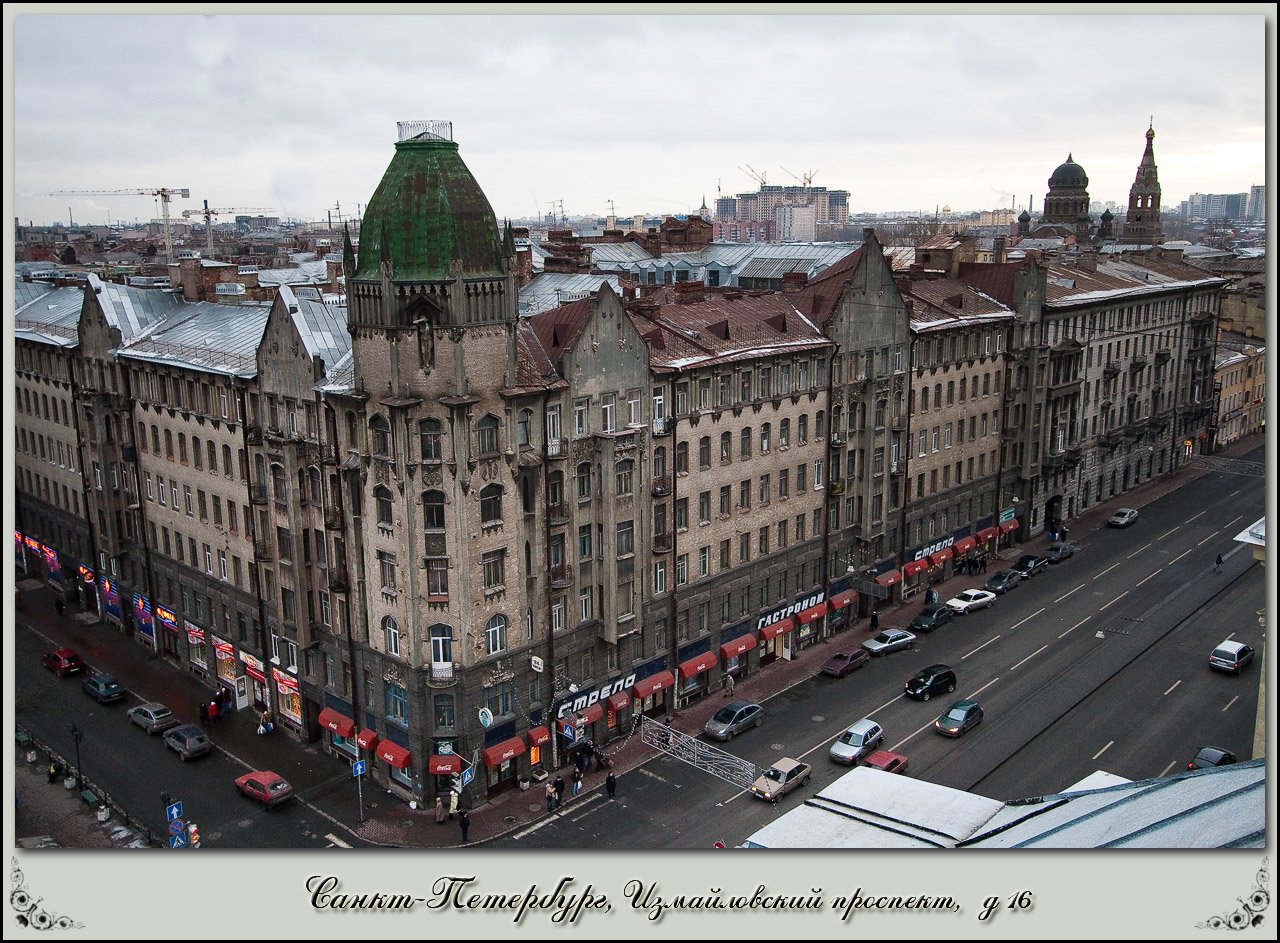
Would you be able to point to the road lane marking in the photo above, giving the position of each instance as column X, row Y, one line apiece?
column 983, row 688
column 1107, row 570
column 336, row 840
column 1229, row 637
column 1165, row 771
column 1117, row 599
column 1167, row 533
column 1230, row 702
column 886, row 705
column 1145, row 578
column 1209, row 538
column 905, row 740
column 1036, row 613
column 1190, row 519
column 1181, row 555
column 1065, row 595
column 652, row 775
column 1234, row 519
column 1236, row 492
column 1029, row 657
column 593, row 797
column 1076, row 626
column 1103, row 750
column 1174, row 685
column 1138, row 551
column 979, row 648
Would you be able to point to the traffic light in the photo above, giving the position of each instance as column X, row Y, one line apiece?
column 193, row 833
column 457, row 783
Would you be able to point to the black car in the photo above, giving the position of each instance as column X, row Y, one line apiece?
column 936, row 679
column 1211, row 756
column 1056, row 553
column 1000, row 583
column 931, row 616
column 1029, row 565
column 104, row 688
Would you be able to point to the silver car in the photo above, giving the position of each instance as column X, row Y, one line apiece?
column 153, row 718
column 890, row 640
column 734, row 717
column 188, row 741
column 857, row 742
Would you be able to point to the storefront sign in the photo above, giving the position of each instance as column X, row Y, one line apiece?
column 253, row 662
column 111, row 600
column 807, row 601
column 21, row 558
column 142, row 615
column 195, row 644
column 86, row 575
column 288, row 698
column 587, row 698
column 167, row 618
column 55, row 567
column 1006, row 515
column 226, row 660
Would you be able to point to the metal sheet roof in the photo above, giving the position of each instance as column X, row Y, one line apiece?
column 134, row 310
column 322, row 327
column 552, row 289
column 206, row 336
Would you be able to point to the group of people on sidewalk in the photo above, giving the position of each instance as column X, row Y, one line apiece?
column 218, row 707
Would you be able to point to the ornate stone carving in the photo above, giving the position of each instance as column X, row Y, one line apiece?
column 393, row 674
column 500, row 674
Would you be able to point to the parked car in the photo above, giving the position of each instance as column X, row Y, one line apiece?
column 1003, row 581
column 890, row 640
column 188, row 741
column 103, row 688
column 153, row 718
column 1231, row 657
column 266, row 787
column 958, row 718
column 1123, row 518
column 1056, row 553
column 1029, row 565
column 845, row 660
column 931, row 616
column 780, row 778
column 887, row 762
column 1211, row 756
column 734, row 717
column 856, row 742
column 970, row 599
column 925, row 683
column 63, row 662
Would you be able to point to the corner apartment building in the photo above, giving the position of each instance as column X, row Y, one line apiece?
column 1239, row 388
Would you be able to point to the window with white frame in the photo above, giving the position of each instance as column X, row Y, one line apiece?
column 495, row 635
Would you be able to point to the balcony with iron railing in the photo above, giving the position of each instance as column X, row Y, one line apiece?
column 662, row 542
column 661, row 485
column 557, row 515
column 557, row 448
column 442, row 674
column 1138, row 362
column 561, row 575
column 262, row 548
column 338, row 579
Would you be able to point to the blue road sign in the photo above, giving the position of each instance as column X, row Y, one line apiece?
column 174, row 811
column 569, row 731
column 357, row 768
column 178, row 841
column 468, row 774
column 177, row 827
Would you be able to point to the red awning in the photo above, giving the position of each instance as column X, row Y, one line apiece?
column 964, row 544
column 340, row 724
column 987, row 533
column 888, row 579
column 774, row 629
column 941, row 557
column 739, row 646
column 538, row 736
column 813, row 612
column 1009, row 526
column 848, row 598
column 591, row 714
column 642, row 689
column 619, row 701
column 694, row 666
column 499, row 753
column 367, row 739
column 394, row 754
column 912, row 567
column 441, row 765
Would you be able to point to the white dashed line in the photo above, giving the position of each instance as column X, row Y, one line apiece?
column 1103, row 750
column 1032, row 616
column 1117, row 599
column 1167, row 533
column 1230, row 702
column 1029, row 657
column 1108, row 569
column 1138, row 551
column 983, row 688
column 335, row 840
column 1181, row 555
column 1165, row 771
column 1234, row 519
column 1209, row 538
column 979, row 648
column 1145, row 578
column 1174, row 685
column 1065, row 595
column 1190, row 519
column 1074, row 627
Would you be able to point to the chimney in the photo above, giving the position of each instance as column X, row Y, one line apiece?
column 997, row 250
column 867, row 233
column 794, row 281
column 688, row 293
column 647, row 308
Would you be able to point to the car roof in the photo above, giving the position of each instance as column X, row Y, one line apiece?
column 934, row 669
column 64, row 652
column 153, row 706
column 849, row 648
column 883, row 756
column 865, row 724
column 1230, row 645
column 786, row 764
column 187, row 730
column 738, row 705
column 963, row 702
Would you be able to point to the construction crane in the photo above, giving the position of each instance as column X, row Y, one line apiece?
column 759, row 176
column 560, row 204
column 806, row 179
column 164, row 193
column 207, row 213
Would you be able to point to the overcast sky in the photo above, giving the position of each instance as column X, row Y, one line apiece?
column 298, row 113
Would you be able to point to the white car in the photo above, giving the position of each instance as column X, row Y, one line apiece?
column 971, row 599
column 1123, row 517
column 857, row 742
column 889, row 640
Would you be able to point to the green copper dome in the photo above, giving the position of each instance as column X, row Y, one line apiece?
column 427, row 211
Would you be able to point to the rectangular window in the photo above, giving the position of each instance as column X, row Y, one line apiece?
column 494, row 569
column 704, row 507
column 608, row 405
column 438, row 578
column 387, row 571
column 704, row 561
column 580, row 417
column 682, row 569
column 626, row 538
column 586, row 604
column 584, row 542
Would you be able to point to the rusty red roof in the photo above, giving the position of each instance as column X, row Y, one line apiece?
column 819, row 298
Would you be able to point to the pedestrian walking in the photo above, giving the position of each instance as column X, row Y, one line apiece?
column 728, row 685
column 611, row 784
column 984, row 563
column 551, row 797
column 558, row 785
column 60, row 606
column 212, row 711
column 203, row 710
column 464, row 823
column 439, row 809
column 875, row 620
column 577, row 781
column 453, row 803
column 1217, row 564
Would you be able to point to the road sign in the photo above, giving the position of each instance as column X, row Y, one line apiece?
column 468, row 774
column 178, row 841
column 535, row 663
column 718, row 844
column 569, row 730
column 357, row 768
column 173, row 811
column 177, row 827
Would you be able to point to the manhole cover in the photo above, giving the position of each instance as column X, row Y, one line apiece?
column 817, row 718
column 509, row 819
column 535, row 808
column 779, row 747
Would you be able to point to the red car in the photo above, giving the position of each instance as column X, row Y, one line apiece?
column 63, row 662
column 266, row 787
column 889, row 762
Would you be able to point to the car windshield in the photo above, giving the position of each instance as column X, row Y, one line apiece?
column 724, row 715
column 160, row 713
column 956, row 713
column 773, row 773
column 884, row 637
column 967, row 596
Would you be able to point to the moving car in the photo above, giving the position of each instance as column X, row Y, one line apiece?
column 970, row 599
column 266, row 787
column 1029, row 565
column 63, row 662
column 734, row 717
column 856, row 742
column 931, row 616
column 887, row 762
column 1056, row 553
column 780, row 778
column 959, row 717
column 1003, row 581
column 1123, row 518
column 845, row 660
column 890, row 640
column 188, row 741
column 103, row 688
column 925, row 683
column 1211, row 756
column 153, row 718
column 1230, row 657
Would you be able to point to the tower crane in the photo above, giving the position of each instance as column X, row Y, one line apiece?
column 164, row 193
column 759, row 176
column 806, row 179
column 207, row 213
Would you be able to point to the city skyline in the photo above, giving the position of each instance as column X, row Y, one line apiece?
column 300, row 132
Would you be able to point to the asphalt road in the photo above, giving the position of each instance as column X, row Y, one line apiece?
column 1099, row 662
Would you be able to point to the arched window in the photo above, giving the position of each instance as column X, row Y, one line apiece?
column 802, row 430
column 487, row 428
column 820, row 424
column 704, row 452
column 380, row 433
column 429, row 431
column 382, row 499
column 726, row 447
column 391, row 632
column 659, row 461
column 353, row 440
column 313, row 473
column 155, row 441
column 491, row 504
column 526, row 494
column 495, row 635
column 682, row 458
column 524, row 428
column 784, row 434
column 433, row 510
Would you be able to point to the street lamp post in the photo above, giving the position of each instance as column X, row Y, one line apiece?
column 77, row 735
